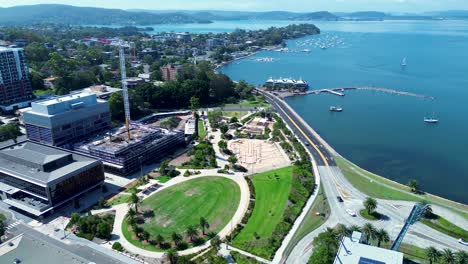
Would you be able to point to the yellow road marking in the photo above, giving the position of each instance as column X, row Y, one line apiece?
column 305, row 135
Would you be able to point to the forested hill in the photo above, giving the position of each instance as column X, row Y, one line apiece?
column 65, row 14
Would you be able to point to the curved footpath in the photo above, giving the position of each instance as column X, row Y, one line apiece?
column 121, row 211
column 335, row 184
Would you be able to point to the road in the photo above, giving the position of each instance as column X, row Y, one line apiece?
column 335, row 184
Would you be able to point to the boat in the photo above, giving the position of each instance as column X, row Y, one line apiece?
column 336, row 109
column 431, row 120
column 403, row 62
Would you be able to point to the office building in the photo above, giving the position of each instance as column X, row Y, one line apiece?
column 15, row 86
column 67, row 119
column 169, row 72
column 352, row 251
column 37, row 179
column 122, row 155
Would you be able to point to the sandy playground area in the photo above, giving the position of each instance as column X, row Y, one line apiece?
column 258, row 155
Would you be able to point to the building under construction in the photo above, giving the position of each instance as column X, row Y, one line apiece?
column 122, row 155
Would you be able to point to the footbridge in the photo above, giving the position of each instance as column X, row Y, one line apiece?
column 341, row 91
column 416, row 213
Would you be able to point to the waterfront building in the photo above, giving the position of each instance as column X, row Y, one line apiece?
column 169, row 72
column 15, row 85
column 352, row 251
column 67, row 119
column 287, row 83
column 37, row 179
column 122, row 155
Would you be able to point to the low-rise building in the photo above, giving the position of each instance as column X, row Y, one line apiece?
column 352, row 251
column 133, row 82
column 37, row 179
column 66, row 119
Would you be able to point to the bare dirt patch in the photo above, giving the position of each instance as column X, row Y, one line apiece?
column 179, row 160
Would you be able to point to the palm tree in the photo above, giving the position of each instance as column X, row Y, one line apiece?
column 432, row 254
column 355, row 228
column 428, row 213
column 370, row 204
column 341, row 230
column 369, row 231
column 448, row 257
column 414, row 186
column 135, row 201
column 192, row 232
column 176, row 238
column 145, row 235
column 159, row 240
column 461, row 257
column 131, row 213
column 172, row 256
column 204, row 224
column 382, row 236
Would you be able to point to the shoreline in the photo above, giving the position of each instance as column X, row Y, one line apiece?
column 381, row 178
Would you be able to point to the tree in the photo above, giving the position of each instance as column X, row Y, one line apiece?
column 370, row 204
column 215, row 242
column 222, row 144
column 176, row 238
column 461, row 257
column 414, row 186
column 224, row 129
column 172, row 256
column 194, row 103
column 325, row 247
column 369, row 231
column 135, row 201
column 204, row 224
column 163, row 167
column 354, row 228
column 104, row 230
column 131, row 213
column 342, row 231
column 233, row 120
column 432, row 254
column 74, row 218
column 145, row 235
column 192, row 232
column 159, row 240
column 10, row 131
column 148, row 59
column 382, row 236
column 232, row 159
column 2, row 228
column 117, row 246
column 448, row 257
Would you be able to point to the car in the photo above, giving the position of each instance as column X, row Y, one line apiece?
column 307, row 144
column 463, row 242
column 351, row 212
column 339, row 199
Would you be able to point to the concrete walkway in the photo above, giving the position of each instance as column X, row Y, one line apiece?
column 225, row 250
column 122, row 210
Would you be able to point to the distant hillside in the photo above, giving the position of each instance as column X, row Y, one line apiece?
column 450, row 14
column 65, row 14
column 243, row 15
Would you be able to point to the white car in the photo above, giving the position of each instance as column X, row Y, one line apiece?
column 351, row 212
column 463, row 242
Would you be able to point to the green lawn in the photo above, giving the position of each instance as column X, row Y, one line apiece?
column 272, row 189
column 119, row 199
column 370, row 184
column 258, row 102
column 311, row 220
column 201, row 129
column 237, row 114
column 373, row 216
column 43, row 92
column 182, row 205
column 444, row 226
column 163, row 179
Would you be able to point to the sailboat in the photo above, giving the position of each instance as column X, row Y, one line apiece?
column 403, row 62
column 336, row 109
column 431, row 120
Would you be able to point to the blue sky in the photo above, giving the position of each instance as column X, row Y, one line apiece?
column 263, row 5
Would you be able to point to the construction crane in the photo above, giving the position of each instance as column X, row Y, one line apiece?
column 123, row 73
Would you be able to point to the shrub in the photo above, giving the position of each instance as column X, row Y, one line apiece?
column 117, row 246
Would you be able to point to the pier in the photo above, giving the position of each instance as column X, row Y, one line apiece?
column 340, row 92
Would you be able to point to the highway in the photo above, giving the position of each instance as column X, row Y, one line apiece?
column 335, row 184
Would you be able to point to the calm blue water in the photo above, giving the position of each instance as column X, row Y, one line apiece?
column 381, row 132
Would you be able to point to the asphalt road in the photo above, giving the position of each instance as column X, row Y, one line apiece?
column 335, row 184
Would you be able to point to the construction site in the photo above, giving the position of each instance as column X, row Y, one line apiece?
column 124, row 153
column 259, row 155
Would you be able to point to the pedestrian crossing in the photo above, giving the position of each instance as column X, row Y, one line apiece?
column 12, row 225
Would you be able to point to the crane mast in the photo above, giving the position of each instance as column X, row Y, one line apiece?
column 123, row 74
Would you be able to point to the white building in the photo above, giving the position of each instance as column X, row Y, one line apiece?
column 352, row 251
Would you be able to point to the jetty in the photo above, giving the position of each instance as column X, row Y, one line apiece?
column 341, row 92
